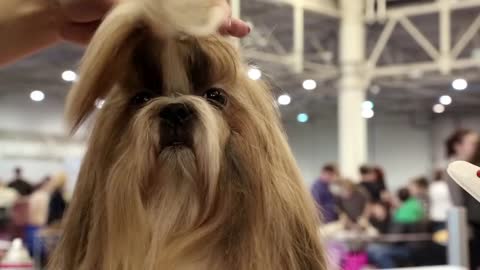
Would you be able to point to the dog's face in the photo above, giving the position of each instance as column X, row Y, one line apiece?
column 183, row 113
column 187, row 163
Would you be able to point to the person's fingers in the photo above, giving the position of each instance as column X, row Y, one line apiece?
column 238, row 28
column 232, row 26
column 85, row 16
column 227, row 21
column 225, row 28
column 80, row 33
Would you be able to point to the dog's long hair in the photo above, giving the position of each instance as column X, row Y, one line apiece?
column 232, row 198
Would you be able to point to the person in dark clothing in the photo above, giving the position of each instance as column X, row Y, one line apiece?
column 380, row 217
column 56, row 207
column 323, row 195
column 353, row 201
column 380, row 177
column 406, row 220
column 418, row 188
column 371, row 184
column 19, row 184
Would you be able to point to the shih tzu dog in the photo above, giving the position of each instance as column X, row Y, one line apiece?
column 187, row 167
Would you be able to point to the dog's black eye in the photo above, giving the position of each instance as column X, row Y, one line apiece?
column 216, row 96
column 141, row 98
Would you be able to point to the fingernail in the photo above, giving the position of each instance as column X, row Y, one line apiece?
column 249, row 30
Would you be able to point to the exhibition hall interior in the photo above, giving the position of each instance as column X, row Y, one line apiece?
column 376, row 99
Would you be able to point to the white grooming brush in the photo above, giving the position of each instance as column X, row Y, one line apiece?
column 467, row 176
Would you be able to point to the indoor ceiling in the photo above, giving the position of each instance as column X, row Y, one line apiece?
column 273, row 34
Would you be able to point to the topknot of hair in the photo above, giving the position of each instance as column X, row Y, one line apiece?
column 191, row 17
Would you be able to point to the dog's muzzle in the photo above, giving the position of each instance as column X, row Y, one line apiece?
column 176, row 125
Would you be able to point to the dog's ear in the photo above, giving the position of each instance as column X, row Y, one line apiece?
column 105, row 59
column 120, row 33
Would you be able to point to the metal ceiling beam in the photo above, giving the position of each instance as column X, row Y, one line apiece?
column 382, row 42
column 466, row 37
column 324, row 7
column 420, row 38
column 444, row 58
column 315, row 70
column 296, row 58
column 298, row 36
column 407, row 69
column 403, row 69
column 445, row 37
column 423, row 9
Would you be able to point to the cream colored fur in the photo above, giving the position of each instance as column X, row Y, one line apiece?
column 233, row 200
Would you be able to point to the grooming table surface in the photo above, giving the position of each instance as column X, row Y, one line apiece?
column 385, row 238
column 443, row 267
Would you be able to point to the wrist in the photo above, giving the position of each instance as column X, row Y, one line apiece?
column 28, row 26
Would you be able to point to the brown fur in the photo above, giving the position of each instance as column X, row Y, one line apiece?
column 234, row 200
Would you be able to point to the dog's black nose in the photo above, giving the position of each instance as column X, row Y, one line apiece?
column 176, row 114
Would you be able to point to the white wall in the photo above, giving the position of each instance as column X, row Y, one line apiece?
column 313, row 144
column 29, row 133
column 402, row 149
column 404, row 146
column 39, row 159
column 443, row 127
column 19, row 113
column 34, row 170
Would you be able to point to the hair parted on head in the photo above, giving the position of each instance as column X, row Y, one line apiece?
column 227, row 195
column 166, row 18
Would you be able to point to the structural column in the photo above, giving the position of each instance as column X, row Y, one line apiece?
column 353, row 85
column 298, row 36
column 445, row 37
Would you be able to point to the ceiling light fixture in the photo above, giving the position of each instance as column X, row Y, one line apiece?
column 254, row 73
column 367, row 114
column 367, row 105
column 37, row 95
column 69, row 76
column 445, row 100
column 309, row 85
column 375, row 89
column 460, row 84
column 284, row 99
column 302, row 117
column 438, row 108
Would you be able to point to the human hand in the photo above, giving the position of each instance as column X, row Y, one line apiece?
column 82, row 17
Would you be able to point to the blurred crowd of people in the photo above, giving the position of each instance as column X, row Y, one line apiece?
column 365, row 205
column 420, row 207
column 28, row 210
